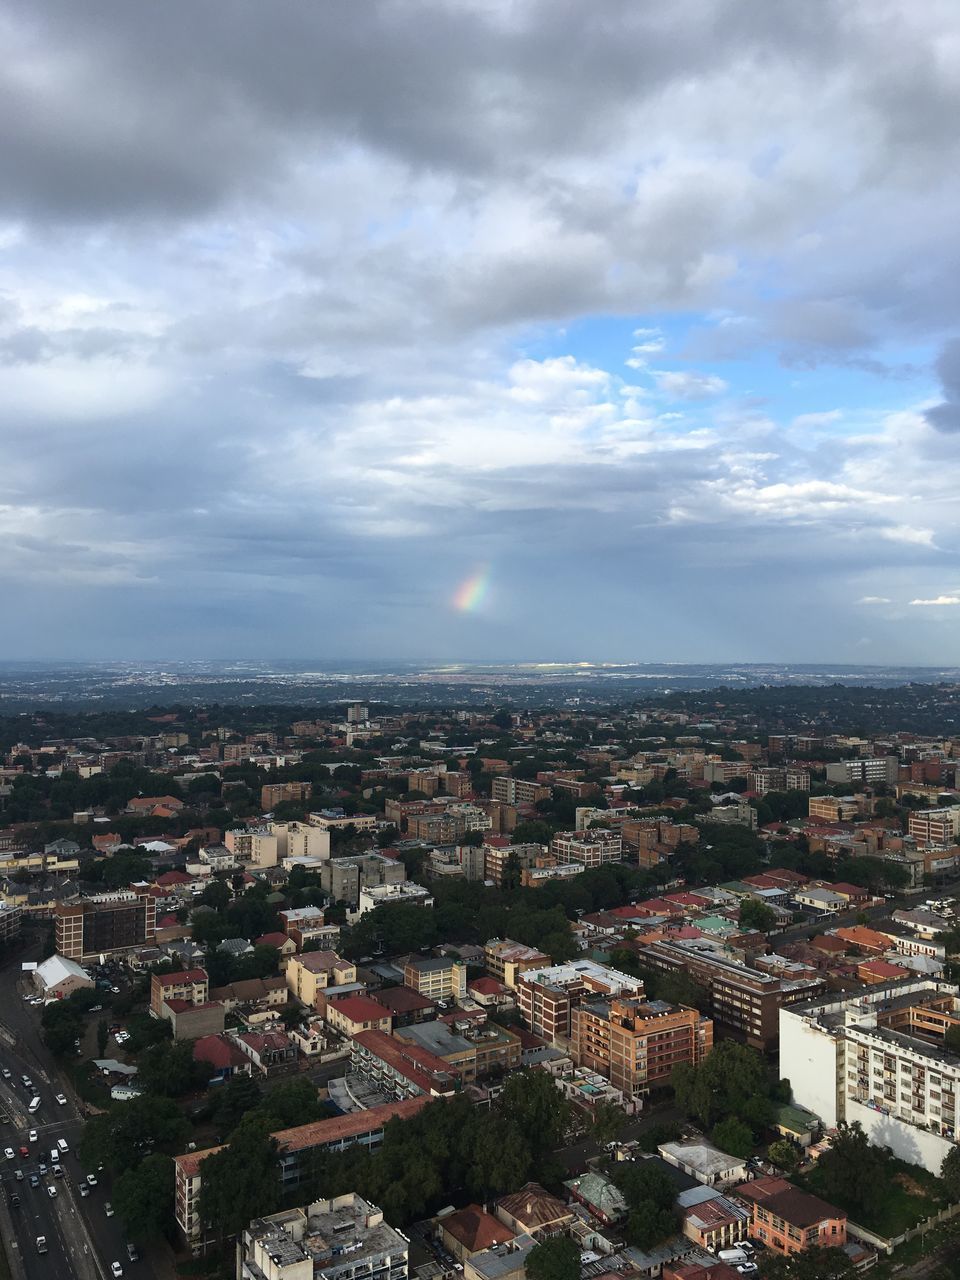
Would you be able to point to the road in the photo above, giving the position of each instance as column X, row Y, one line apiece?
column 82, row 1241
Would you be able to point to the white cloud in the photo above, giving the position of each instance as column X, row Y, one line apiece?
column 937, row 601
column 907, row 533
column 874, row 600
column 688, row 386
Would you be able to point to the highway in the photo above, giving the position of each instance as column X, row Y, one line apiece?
column 82, row 1241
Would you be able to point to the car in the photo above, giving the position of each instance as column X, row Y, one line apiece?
column 10, row 1153
column 91, row 1180
column 108, row 1209
column 95, row 1008
column 133, row 1253
column 52, row 1192
column 18, row 1174
column 115, row 990
column 24, row 1151
column 42, row 1169
column 57, row 1171
column 27, row 1082
column 14, row 1199
column 116, row 1270
column 32, row 1135
column 84, row 1190
column 5, row 1073
column 41, row 1244
column 62, row 1099
column 62, row 1144
column 34, row 1180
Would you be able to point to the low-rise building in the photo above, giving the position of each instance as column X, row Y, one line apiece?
column 345, row 1238
column 506, row 960
column 471, row 1230
column 711, row 1220
column 401, row 1068
column 705, row 1162
column 436, row 977
column 58, row 977
column 355, row 1013
column 789, row 1220
column 309, row 974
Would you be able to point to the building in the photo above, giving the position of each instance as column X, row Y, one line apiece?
column 271, row 1052
column 789, row 1220
column 361, row 1128
column 58, row 977
column 711, row 1220
column 499, row 855
column 11, row 918
column 404, row 1005
column 877, row 1055
column 591, row 848
column 636, row 1043
column 937, row 827
column 436, row 978
column 533, row 1211
column 344, row 1238
column 518, row 791
column 274, row 793
column 506, row 960
column 193, row 986
column 599, row 1196
column 343, row 878
column 702, row 1160
column 307, row 975
column 401, row 1068
column 471, row 1230
column 107, row 922
column 401, row 891
column 337, row 820
column 742, row 999
column 352, row 1014
column 833, row 808
column 868, row 770
column 547, row 997
column 307, row 924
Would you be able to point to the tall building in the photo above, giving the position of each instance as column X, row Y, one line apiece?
column 871, row 769
column 518, row 791
column 935, row 827
column 344, row 1238
column 103, row 923
column 877, row 1056
column 437, row 978
column 636, row 1043
column 546, row 997
column 506, row 960
column 590, row 848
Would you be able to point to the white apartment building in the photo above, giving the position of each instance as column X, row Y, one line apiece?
column 378, row 895
column 341, row 1239
column 590, row 848
column 877, row 1056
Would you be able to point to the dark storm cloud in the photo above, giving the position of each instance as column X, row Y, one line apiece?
column 946, row 415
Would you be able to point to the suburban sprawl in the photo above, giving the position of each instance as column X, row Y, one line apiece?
column 658, row 988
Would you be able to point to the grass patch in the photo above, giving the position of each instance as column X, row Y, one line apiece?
column 908, row 1195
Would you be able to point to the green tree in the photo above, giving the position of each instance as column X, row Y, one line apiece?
column 784, row 1155
column 951, row 1039
column 757, row 915
column 733, row 1136
column 731, row 1081
column 608, row 1120
column 143, row 1197
column 950, row 1173
column 233, row 1101
column 103, row 1035
column 556, row 1258
column 169, row 1069
column 537, row 1108
column 240, row 1182
column 290, row 1103
column 809, row 1264
column 853, row 1167
column 122, row 1136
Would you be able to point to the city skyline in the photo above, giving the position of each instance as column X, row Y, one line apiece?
column 516, row 331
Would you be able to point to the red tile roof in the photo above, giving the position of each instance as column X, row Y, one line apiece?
column 360, row 1009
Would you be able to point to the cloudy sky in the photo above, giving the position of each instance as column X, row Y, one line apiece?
column 480, row 328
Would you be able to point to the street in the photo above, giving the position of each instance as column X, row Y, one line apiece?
column 82, row 1241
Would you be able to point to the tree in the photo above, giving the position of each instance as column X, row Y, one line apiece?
column 608, row 1120
column 650, row 1195
column 103, row 1035
column 169, row 1069
column 853, row 1168
column 733, row 1136
column 809, row 1264
column 241, row 1181
column 234, row 1100
column 731, row 1081
column 122, row 1136
column 290, row 1103
column 950, row 1173
column 556, row 1258
column 757, row 915
column 536, row 1106
column 143, row 1197
column 785, row 1155
column 951, row 1039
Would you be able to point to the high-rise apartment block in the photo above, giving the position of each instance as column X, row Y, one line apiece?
column 636, row 1043
column 518, row 791
column 590, row 848
column 86, row 927
column 546, row 998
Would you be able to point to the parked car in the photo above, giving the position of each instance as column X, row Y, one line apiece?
column 52, row 1192
column 32, row 1135
column 34, row 1180
column 116, row 1270
column 10, row 1153
column 62, row 1099
column 133, row 1253
column 41, row 1244
column 91, row 1180
column 108, row 1209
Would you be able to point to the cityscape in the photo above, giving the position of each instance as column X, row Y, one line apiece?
column 479, row 640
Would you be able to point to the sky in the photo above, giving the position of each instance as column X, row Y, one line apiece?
column 494, row 329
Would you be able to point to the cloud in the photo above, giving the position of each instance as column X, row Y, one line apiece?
column 937, row 601
column 946, row 415
column 688, row 386
column 874, row 600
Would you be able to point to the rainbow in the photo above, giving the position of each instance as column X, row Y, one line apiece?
column 469, row 596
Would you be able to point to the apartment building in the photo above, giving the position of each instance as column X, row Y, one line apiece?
column 269, row 845
column 437, row 978
column 636, row 1043
column 867, row 770
column 506, row 960
column 833, row 808
column 546, row 998
column 877, row 1056
column 731, row 810
column 345, row 1238
column 591, row 848
column 742, row 999
column 380, row 895
column 274, row 793
column 11, row 918
column 343, row 878
column 472, row 1048
column 789, row 1220
column 337, row 820
column 772, row 778
column 938, row 827
column 307, row 924
column 401, row 1068
column 106, row 922
column 193, row 986
column 518, row 791
column 307, row 975
column 499, row 853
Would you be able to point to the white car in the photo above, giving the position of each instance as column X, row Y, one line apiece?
column 52, row 1192
column 116, row 1270
column 5, row 1073
column 62, row 1099
column 91, row 1180
column 108, row 1209
column 32, row 1135
column 9, row 1153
